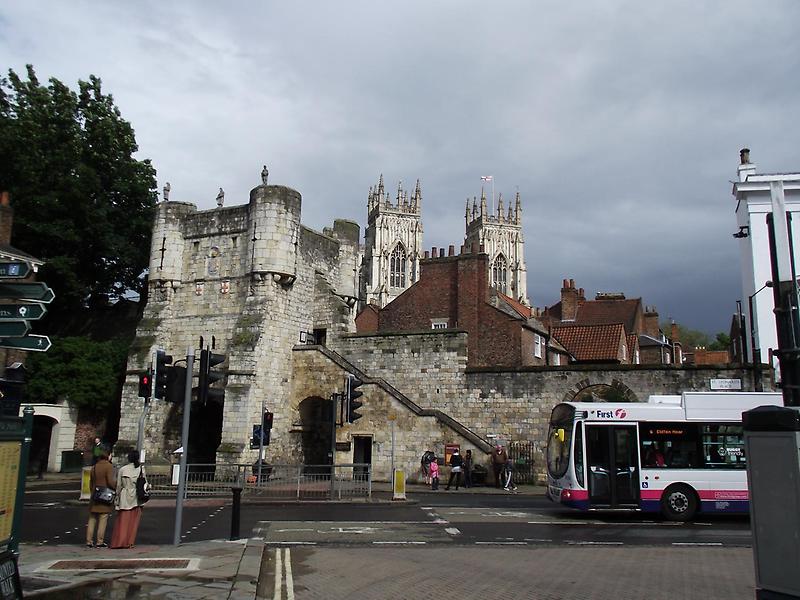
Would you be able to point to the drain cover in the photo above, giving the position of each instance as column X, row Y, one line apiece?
column 120, row 564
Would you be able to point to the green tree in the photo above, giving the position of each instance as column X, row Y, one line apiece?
column 84, row 372
column 721, row 342
column 82, row 203
column 689, row 338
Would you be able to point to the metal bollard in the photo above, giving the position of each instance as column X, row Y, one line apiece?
column 237, row 507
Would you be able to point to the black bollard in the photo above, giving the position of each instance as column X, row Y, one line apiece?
column 237, row 506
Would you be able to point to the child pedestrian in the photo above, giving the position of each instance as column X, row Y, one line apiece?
column 434, row 472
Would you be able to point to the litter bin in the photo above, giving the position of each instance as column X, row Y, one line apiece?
column 71, row 461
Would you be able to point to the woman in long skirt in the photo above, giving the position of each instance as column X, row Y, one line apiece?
column 129, row 511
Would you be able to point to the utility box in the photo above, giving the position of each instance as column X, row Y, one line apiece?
column 772, row 448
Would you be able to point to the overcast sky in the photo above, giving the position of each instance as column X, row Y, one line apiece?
column 619, row 122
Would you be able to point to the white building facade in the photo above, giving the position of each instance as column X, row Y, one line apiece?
column 754, row 195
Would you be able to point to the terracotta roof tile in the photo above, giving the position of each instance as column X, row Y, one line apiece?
column 604, row 312
column 591, row 342
column 524, row 311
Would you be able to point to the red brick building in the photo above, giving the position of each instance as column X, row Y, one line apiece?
column 453, row 292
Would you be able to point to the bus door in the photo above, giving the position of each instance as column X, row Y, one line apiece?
column 612, row 466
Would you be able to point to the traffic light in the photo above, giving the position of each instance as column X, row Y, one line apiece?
column 162, row 373
column 207, row 377
column 351, row 395
column 176, row 384
column 266, row 426
column 145, row 384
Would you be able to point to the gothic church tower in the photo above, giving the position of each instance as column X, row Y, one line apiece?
column 393, row 244
column 500, row 234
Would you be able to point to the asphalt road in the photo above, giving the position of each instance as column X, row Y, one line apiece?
column 452, row 518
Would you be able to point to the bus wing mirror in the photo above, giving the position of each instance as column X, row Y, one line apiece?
column 560, row 434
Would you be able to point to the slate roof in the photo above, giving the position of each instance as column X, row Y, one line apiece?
column 521, row 309
column 591, row 342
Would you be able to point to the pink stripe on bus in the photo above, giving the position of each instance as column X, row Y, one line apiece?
column 704, row 494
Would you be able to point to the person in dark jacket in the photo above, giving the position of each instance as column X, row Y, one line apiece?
column 456, row 464
column 102, row 476
column 499, row 459
column 468, row 469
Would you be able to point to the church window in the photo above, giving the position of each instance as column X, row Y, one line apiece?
column 499, row 272
column 397, row 267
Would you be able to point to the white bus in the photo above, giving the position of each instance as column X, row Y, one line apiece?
column 674, row 454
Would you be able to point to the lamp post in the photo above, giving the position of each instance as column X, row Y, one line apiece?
column 756, row 351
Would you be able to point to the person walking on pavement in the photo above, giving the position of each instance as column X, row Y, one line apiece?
column 508, row 477
column 456, row 463
column 127, row 503
column 425, row 465
column 102, row 476
column 499, row 459
column 468, row 469
column 434, row 473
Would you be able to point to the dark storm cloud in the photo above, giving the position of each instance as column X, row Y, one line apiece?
column 619, row 122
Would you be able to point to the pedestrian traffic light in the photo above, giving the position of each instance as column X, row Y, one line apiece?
column 176, row 384
column 206, row 378
column 266, row 427
column 162, row 373
column 145, row 385
column 351, row 395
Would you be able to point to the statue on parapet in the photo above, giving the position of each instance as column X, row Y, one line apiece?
column 264, row 175
column 220, row 198
column 166, row 192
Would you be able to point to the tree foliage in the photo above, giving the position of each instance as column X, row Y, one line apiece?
column 82, row 203
column 721, row 342
column 77, row 369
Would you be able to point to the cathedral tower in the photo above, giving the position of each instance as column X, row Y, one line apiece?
column 500, row 234
column 393, row 244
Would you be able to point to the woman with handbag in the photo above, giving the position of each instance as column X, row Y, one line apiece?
column 102, row 501
column 129, row 510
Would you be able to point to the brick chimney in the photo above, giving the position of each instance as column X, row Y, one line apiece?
column 570, row 300
column 6, row 218
column 651, row 322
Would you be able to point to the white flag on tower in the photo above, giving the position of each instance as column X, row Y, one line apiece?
column 486, row 177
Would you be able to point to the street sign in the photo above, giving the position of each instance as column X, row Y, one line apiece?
column 14, row 328
column 15, row 312
column 17, row 269
column 34, row 343
column 36, row 292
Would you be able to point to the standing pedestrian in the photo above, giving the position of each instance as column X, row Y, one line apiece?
column 455, row 469
column 102, row 476
column 434, row 472
column 128, row 506
column 425, row 465
column 98, row 446
column 468, row 469
column 499, row 459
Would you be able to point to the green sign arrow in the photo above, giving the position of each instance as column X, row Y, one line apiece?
column 14, row 328
column 15, row 269
column 34, row 343
column 36, row 292
column 15, row 312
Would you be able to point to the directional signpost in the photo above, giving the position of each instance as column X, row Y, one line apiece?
column 14, row 328
column 16, row 269
column 14, row 312
column 33, row 343
column 37, row 292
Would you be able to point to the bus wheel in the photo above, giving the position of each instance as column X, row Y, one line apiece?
column 679, row 502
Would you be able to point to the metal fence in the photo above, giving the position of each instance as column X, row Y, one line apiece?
column 278, row 482
column 521, row 454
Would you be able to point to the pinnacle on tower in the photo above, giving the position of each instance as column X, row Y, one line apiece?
column 500, row 207
column 417, row 197
column 510, row 218
column 466, row 213
column 474, row 208
column 518, row 210
column 399, row 192
column 484, row 212
column 380, row 185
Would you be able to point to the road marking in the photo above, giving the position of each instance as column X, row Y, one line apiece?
column 300, row 529
column 441, row 521
column 452, row 530
column 503, row 543
column 289, row 578
column 535, row 540
column 278, row 575
column 595, row 543
column 400, row 542
column 697, row 543
column 286, row 543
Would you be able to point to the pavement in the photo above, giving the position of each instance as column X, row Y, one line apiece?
column 254, row 569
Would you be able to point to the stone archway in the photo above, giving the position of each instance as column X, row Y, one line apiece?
column 586, row 391
column 315, row 430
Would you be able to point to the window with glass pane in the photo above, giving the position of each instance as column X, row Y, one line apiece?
column 579, row 454
column 669, row 445
column 397, row 267
column 499, row 269
column 723, row 446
